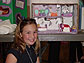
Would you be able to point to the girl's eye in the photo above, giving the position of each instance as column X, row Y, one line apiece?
column 35, row 32
column 28, row 32
column 31, row 32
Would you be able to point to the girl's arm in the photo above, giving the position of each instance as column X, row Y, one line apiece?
column 11, row 59
column 38, row 60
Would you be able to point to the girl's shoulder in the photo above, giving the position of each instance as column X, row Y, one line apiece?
column 15, row 52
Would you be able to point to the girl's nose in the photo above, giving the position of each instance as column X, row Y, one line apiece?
column 32, row 35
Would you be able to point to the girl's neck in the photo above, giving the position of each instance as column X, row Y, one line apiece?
column 28, row 45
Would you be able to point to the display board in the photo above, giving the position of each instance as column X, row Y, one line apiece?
column 9, row 9
column 56, row 18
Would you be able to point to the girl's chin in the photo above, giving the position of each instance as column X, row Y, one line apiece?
column 32, row 43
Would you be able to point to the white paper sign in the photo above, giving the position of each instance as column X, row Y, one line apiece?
column 20, row 4
column 82, row 21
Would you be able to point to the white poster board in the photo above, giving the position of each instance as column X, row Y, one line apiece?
column 82, row 18
column 54, row 1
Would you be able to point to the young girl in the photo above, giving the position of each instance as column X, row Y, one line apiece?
column 26, row 46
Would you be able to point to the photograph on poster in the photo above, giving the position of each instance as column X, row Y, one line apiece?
column 20, row 4
column 6, row 1
column 5, row 10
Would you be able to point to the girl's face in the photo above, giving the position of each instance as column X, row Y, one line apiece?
column 29, row 34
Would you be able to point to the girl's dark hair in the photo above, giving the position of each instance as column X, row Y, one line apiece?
column 27, row 21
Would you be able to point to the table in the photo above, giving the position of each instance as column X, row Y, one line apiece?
column 48, row 37
column 7, row 37
column 62, row 37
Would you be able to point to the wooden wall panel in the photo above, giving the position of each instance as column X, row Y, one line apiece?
column 28, row 11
